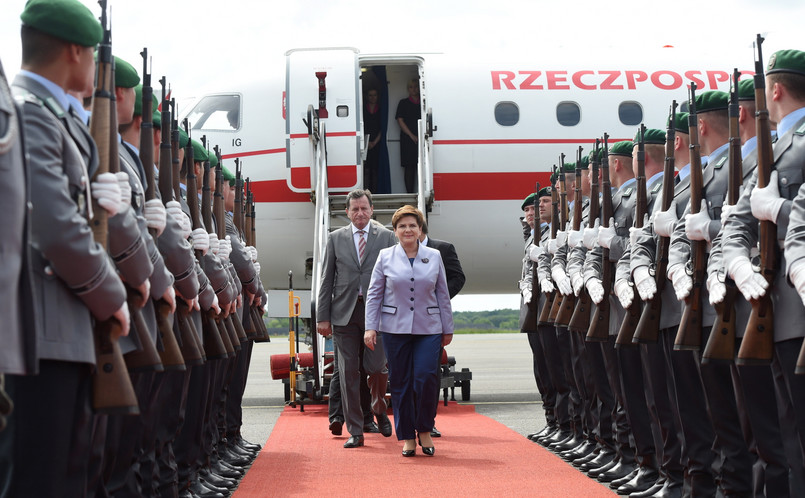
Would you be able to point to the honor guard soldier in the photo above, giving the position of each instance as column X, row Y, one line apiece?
column 71, row 271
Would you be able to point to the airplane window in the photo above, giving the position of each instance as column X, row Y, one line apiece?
column 216, row 112
column 630, row 113
column 507, row 113
column 568, row 113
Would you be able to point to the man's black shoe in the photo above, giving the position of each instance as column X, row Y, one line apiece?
column 354, row 442
column 435, row 432
column 336, row 426
column 371, row 428
column 384, row 424
column 646, row 477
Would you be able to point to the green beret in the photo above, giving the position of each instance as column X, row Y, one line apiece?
column 183, row 138
column 67, row 20
column 228, row 176
column 681, row 123
column 746, row 89
column 592, row 153
column 712, row 100
column 125, row 74
column 623, row 148
column 651, row 136
column 570, row 168
column 199, row 152
column 213, row 159
column 156, row 119
column 544, row 191
column 138, row 103
column 584, row 164
column 528, row 201
column 787, row 61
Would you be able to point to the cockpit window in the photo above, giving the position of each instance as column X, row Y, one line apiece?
column 216, row 112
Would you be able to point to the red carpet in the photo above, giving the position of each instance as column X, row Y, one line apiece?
column 476, row 457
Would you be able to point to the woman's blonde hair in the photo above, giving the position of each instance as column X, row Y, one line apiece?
column 407, row 211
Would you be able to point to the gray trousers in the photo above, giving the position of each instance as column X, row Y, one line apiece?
column 348, row 342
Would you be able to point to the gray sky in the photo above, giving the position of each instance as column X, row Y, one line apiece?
column 197, row 42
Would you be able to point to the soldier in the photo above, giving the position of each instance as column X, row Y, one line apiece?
column 656, row 370
column 785, row 98
column 627, row 367
column 73, row 271
column 717, row 378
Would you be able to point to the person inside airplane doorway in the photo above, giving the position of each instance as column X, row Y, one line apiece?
column 371, row 120
column 408, row 113
column 409, row 302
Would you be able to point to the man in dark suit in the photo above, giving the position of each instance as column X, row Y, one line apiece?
column 72, row 271
column 340, row 311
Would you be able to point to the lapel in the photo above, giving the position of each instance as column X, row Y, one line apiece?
column 682, row 186
column 371, row 237
column 349, row 238
column 717, row 162
column 783, row 143
column 749, row 163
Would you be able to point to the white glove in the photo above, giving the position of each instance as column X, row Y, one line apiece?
column 596, row 290
column 215, row 305
column 624, row 292
column 796, row 273
column 551, row 246
column 526, row 295
column 225, row 248
column 257, row 268
column 681, row 280
column 562, row 282
column 664, row 221
column 697, row 226
column 214, row 244
column 766, row 202
column 561, row 238
column 200, row 240
column 535, row 252
column 577, row 281
column 155, row 215
column 634, row 233
column 253, row 252
column 174, row 210
column 546, row 286
column 751, row 284
column 646, row 286
column 590, row 236
column 606, row 234
column 187, row 226
column 716, row 289
column 574, row 237
column 125, row 190
column 106, row 190
column 726, row 209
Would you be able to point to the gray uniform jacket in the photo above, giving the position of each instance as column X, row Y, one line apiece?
column 18, row 333
column 342, row 273
column 526, row 276
column 623, row 268
column 622, row 212
column 74, row 279
column 741, row 230
column 576, row 255
column 240, row 259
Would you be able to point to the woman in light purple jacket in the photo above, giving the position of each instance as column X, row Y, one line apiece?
column 408, row 302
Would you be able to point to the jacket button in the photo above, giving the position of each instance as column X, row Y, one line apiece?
column 412, row 289
column 412, row 280
column 412, row 309
column 48, row 271
column 412, row 299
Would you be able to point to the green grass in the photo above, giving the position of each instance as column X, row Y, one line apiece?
column 484, row 331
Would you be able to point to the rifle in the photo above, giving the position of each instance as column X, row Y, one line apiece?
column 598, row 330
column 213, row 345
column 170, row 356
column 558, row 298
column 721, row 343
column 176, row 164
column 530, row 321
column 248, row 324
column 580, row 321
column 633, row 312
column 689, row 334
column 256, row 313
column 112, row 389
column 545, row 314
column 569, row 301
column 757, row 345
column 648, row 329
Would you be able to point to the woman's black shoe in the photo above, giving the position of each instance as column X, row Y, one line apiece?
column 408, row 453
column 428, row 450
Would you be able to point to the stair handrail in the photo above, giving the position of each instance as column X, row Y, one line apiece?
column 321, row 230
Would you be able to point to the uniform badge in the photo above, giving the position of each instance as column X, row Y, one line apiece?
column 772, row 61
column 425, row 260
column 720, row 163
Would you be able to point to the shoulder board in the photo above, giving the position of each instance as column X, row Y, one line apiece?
column 720, row 162
column 800, row 130
column 656, row 188
column 22, row 96
column 54, row 107
column 627, row 192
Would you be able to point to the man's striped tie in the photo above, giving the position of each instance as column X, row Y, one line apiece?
column 361, row 245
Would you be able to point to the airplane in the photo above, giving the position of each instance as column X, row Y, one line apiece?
column 489, row 132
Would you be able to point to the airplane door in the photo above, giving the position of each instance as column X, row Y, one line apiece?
column 329, row 81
